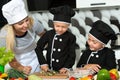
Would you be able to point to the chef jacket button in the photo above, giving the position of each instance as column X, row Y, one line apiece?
column 53, row 59
column 55, row 38
column 97, row 56
column 54, row 49
column 59, row 50
column 60, row 40
column 57, row 60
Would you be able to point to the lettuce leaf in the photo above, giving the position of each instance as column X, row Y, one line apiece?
column 5, row 56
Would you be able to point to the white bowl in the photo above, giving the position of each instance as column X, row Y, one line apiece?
column 79, row 73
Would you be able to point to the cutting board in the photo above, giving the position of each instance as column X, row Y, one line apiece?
column 56, row 76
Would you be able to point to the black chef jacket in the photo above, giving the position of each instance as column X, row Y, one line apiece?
column 105, row 58
column 60, row 50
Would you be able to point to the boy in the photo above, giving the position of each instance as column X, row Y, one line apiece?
column 98, row 56
column 60, row 43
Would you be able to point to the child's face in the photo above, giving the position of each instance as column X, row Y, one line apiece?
column 94, row 44
column 60, row 27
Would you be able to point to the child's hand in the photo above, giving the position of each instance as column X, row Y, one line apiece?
column 94, row 67
column 44, row 67
column 63, row 70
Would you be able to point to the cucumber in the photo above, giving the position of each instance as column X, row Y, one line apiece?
column 13, row 73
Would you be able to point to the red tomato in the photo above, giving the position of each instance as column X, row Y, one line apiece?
column 72, row 78
column 0, row 73
column 113, row 77
column 12, row 79
column 90, row 76
column 26, row 78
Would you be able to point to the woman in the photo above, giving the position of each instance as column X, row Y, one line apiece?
column 19, row 36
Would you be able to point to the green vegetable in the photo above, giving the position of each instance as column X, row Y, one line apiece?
column 49, row 73
column 13, row 73
column 5, row 56
column 34, row 77
column 103, row 74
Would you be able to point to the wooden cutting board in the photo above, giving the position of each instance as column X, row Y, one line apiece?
column 56, row 76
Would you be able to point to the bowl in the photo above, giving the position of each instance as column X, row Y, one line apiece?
column 79, row 73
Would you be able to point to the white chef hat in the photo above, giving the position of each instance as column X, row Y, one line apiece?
column 14, row 11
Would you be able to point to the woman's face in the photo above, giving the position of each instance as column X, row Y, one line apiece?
column 94, row 44
column 60, row 27
column 22, row 26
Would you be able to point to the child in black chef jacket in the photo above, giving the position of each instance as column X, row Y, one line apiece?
column 98, row 56
column 60, row 43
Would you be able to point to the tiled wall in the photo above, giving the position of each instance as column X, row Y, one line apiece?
column 82, row 21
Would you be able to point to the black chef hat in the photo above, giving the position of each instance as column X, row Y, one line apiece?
column 62, row 13
column 102, row 32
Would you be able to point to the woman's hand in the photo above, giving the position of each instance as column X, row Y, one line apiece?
column 94, row 67
column 16, row 65
column 27, row 69
column 44, row 67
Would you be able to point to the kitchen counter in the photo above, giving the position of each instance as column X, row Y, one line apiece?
column 56, row 79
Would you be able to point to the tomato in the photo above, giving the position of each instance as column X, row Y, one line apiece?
column 12, row 79
column 113, row 77
column 90, row 76
column 115, row 72
column 72, row 78
column 0, row 73
column 26, row 78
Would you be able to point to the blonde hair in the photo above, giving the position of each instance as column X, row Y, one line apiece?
column 10, row 37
